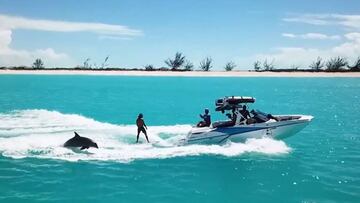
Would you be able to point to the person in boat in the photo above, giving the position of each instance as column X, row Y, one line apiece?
column 206, row 119
column 232, row 117
column 245, row 113
column 232, row 114
column 273, row 117
column 261, row 117
column 141, row 127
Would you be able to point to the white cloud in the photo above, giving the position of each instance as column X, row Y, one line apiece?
column 15, row 57
column 354, row 36
column 351, row 21
column 347, row 21
column 285, row 57
column 289, row 35
column 5, row 38
column 314, row 19
column 317, row 36
column 14, row 22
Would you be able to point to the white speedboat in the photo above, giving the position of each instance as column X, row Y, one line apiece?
column 238, row 128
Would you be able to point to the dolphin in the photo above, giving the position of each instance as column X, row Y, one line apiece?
column 78, row 141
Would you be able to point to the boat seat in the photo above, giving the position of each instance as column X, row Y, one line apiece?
column 220, row 124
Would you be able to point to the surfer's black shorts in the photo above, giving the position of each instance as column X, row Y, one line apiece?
column 141, row 129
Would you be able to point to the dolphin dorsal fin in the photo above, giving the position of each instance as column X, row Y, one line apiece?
column 76, row 135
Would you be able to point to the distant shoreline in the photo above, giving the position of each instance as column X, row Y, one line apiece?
column 180, row 73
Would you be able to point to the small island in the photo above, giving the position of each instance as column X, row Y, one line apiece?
column 179, row 66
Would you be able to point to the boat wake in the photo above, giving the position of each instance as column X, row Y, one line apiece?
column 41, row 134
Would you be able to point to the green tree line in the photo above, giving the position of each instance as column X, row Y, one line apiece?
column 180, row 63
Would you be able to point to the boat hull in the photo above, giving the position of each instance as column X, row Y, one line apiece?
column 275, row 130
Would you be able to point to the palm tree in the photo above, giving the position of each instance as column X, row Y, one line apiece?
column 205, row 64
column 149, row 68
column 86, row 64
column 104, row 64
column 188, row 66
column 177, row 62
column 38, row 64
column 257, row 65
column 268, row 66
column 230, row 66
column 336, row 63
column 317, row 65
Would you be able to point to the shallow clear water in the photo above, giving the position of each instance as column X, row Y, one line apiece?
column 39, row 113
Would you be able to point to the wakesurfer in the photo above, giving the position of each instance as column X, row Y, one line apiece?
column 141, row 127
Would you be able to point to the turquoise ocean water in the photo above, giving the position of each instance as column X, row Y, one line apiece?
column 39, row 113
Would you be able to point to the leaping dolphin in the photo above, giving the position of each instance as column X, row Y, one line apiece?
column 78, row 141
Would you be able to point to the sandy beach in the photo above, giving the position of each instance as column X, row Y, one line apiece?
column 181, row 74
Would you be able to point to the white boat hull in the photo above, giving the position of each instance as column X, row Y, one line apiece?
column 239, row 133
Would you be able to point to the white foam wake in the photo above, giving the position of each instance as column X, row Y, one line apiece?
column 41, row 134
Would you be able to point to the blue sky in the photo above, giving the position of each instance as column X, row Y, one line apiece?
column 135, row 33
